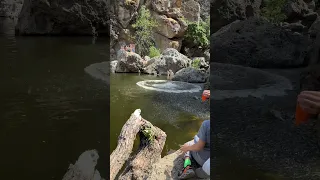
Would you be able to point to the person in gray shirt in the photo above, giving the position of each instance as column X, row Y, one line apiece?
column 199, row 150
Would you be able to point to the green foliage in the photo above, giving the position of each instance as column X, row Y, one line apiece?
column 149, row 134
column 199, row 33
column 143, row 30
column 196, row 63
column 154, row 52
column 273, row 11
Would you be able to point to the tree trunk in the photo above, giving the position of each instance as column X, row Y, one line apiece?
column 152, row 140
column 84, row 168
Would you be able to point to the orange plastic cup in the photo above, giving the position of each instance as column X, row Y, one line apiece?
column 301, row 115
column 204, row 98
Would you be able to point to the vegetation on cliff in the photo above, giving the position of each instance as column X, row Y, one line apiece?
column 144, row 26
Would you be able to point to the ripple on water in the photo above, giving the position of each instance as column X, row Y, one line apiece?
column 169, row 86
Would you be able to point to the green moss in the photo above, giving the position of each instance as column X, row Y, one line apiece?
column 154, row 52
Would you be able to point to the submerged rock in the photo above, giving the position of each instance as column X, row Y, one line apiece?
column 64, row 17
column 257, row 43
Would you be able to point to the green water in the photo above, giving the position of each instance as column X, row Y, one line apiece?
column 126, row 96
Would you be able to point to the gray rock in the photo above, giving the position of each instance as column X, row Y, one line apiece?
column 207, row 83
column 296, row 27
column 190, row 75
column 257, row 43
column 133, row 63
column 191, row 10
column 223, row 12
column 203, row 63
column 170, row 59
column 63, row 17
column 315, row 27
column 296, row 10
column 10, row 8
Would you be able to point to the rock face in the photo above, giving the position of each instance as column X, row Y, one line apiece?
column 79, row 17
column 190, row 75
column 10, row 8
column 131, row 64
column 224, row 12
column 257, row 43
column 170, row 59
column 170, row 16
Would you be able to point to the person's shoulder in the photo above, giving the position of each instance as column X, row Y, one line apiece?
column 206, row 123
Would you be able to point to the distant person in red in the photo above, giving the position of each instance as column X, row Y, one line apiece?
column 198, row 150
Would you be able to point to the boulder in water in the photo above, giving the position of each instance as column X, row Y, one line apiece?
column 132, row 63
column 170, row 59
column 190, row 75
column 260, row 44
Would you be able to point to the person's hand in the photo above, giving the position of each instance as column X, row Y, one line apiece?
column 310, row 101
column 184, row 148
column 206, row 93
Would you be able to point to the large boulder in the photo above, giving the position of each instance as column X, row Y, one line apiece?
column 190, row 75
column 204, row 8
column 296, row 10
column 223, row 12
column 170, row 59
column 257, row 43
column 61, row 17
column 133, row 63
column 191, row 10
column 169, row 27
column 163, row 42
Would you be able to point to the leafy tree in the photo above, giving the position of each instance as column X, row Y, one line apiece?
column 199, row 33
column 143, row 30
column 273, row 11
column 153, row 52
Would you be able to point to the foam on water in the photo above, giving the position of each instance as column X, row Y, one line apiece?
column 169, row 86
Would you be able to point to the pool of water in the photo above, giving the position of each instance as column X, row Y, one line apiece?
column 50, row 110
column 166, row 110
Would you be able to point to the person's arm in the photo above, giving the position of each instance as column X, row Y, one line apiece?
column 202, row 134
column 310, row 101
column 195, row 147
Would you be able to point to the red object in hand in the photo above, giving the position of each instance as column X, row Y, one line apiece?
column 204, row 96
column 301, row 115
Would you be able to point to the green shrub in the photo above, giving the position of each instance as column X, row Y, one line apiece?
column 154, row 52
column 196, row 63
column 199, row 33
column 143, row 30
column 273, row 11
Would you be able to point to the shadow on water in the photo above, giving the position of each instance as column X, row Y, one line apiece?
column 50, row 110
